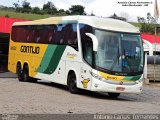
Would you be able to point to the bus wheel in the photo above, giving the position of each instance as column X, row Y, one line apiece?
column 72, row 83
column 19, row 72
column 26, row 74
column 113, row 95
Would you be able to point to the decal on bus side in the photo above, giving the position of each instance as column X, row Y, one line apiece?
column 51, row 59
column 85, row 83
column 30, row 49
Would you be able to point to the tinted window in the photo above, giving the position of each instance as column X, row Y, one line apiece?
column 46, row 34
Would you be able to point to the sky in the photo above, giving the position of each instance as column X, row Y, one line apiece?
column 104, row 8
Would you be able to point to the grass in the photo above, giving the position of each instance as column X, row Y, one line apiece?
column 136, row 24
column 30, row 16
column 26, row 16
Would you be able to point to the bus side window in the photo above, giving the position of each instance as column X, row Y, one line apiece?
column 37, row 36
column 42, row 35
column 74, row 38
column 70, row 35
column 14, row 34
column 51, row 33
column 23, row 32
column 31, row 35
column 17, row 34
column 26, row 35
column 58, row 34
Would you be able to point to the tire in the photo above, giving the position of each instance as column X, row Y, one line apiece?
column 26, row 74
column 19, row 73
column 113, row 95
column 72, row 83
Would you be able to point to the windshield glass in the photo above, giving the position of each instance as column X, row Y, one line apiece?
column 119, row 52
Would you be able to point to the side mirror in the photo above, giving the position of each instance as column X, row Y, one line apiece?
column 94, row 40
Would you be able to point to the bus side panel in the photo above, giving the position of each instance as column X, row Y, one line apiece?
column 11, row 63
column 52, row 66
column 58, row 76
column 12, row 56
column 72, row 58
column 28, row 53
column 86, row 79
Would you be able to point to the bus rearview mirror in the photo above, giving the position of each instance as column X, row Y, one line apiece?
column 94, row 40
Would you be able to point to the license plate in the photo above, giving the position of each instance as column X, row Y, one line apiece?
column 120, row 88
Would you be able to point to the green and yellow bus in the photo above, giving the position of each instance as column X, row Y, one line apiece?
column 82, row 52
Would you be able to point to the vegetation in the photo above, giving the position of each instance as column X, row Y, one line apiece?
column 26, row 16
column 147, row 25
column 25, row 11
column 48, row 8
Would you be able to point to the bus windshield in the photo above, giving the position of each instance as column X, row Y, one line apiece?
column 119, row 52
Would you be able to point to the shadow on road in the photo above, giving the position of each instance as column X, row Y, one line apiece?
column 7, row 75
column 82, row 92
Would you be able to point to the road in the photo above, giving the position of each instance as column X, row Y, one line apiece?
column 50, row 98
column 7, row 75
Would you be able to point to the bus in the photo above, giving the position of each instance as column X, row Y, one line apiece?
column 82, row 52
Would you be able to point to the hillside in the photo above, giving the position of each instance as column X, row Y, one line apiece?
column 136, row 24
column 30, row 16
column 26, row 16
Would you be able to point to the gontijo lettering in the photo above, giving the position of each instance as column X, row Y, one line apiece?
column 30, row 49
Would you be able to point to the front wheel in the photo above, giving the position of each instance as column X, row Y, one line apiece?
column 113, row 95
column 72, row 84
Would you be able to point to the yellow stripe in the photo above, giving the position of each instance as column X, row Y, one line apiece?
column 112, row 77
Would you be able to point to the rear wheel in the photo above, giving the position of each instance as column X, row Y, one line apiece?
column 72, row 83
column 113, row 95
column 26, row 74
column 19, row 72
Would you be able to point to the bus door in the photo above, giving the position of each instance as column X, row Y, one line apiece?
column 87, row 49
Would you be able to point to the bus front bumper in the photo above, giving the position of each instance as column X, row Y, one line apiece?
column 101, row 86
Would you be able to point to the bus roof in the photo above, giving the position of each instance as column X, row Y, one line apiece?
column 97, row 22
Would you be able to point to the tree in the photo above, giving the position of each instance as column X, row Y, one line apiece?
column 68, row 12
column 49, row 8
column 26, row 7
column 114, row 16
column 77, row 10
column 141, row 19
column 36, row 10
column 17, row 7
column 147, row 25
column 150, row 19
column 125, row 15
column 61, row 12
column 92, row 14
